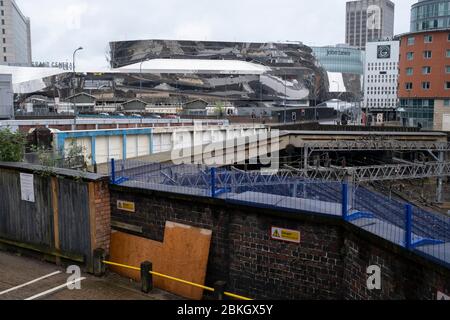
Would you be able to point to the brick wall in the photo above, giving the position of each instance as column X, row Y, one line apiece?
column 102, row 215
column 330, row 263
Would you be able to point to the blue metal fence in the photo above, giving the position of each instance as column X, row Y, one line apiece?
column 424, row 232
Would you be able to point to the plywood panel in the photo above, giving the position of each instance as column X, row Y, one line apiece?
column 184, row 254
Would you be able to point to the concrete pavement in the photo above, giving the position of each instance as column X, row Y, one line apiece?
column 24, row 278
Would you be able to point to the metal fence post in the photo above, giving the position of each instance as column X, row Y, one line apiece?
column 146, row 277
column 408, row 226
column 219, row 290
column 98, row 265
column 345, row 201
column 113, row 171
column 213, row 182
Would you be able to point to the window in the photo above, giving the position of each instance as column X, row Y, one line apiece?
column 411, row 41
column 447, row 85
column 427, row 54
column 447, row 103
column 409, row 71
column 448, row 37
column 426, row 70
column 408, row 86
column 447, row 69
column 410, row 55
column 448, row 53
column 425, row 85
column 428, row 39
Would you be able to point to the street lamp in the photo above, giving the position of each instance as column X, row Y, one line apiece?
column 73, row 65
column 73, row 60
column 285, row 91
column 141, row 75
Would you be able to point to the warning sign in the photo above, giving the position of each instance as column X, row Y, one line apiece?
column 285, row 235
column 126, row 206
column 442, row 296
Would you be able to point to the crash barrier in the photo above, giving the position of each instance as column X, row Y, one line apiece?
column 147, row 274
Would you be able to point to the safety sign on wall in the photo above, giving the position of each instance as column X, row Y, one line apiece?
column 287, row 235
column 27, row 187
column 126, row 206
column 442, row 296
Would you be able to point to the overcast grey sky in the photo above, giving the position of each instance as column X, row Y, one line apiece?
column 59, row 27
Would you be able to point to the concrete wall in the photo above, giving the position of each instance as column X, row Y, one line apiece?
column 101, row 146
column 441, row 116
column 330, row 262
column 6, row 97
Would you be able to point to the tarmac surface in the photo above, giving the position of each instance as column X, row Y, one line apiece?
column 24, row 278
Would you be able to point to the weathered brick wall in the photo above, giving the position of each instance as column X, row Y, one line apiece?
column 102, row 215
column 330, row 263
column 401, row 278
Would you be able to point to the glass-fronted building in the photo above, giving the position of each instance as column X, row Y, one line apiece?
column 342, row 59
column 417, row 112
column 430, row 14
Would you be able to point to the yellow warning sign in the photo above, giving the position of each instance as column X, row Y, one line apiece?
column 126, row 206
column 286, row 235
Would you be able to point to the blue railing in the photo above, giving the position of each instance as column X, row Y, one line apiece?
column 424, row 232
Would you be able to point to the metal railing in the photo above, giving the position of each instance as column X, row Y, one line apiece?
column 147, row 274
column 424, row 232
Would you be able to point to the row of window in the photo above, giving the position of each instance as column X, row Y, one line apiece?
column 5, row 59
column 426, row 39
column 426, row 55
column 425, row 70
column 426, row 85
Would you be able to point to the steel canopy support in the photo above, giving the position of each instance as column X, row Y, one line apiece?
column 440, row 180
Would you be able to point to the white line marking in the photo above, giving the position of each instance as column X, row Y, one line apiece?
column 31, row 282
column 40, row 295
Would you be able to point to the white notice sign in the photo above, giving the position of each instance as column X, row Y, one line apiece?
column 27, row 187
column 442, row 296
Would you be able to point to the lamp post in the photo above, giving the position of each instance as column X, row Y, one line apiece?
column 73, row 60
column 140, row 75
column 73, row 65
column 285, row 92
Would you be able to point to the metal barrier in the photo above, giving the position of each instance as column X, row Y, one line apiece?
column 147, row 273
column 424, row 232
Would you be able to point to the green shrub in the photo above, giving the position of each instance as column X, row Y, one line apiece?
column 12, row 146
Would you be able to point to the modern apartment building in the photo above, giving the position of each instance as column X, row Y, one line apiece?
column 381, row 78
column 15, row 35
column 424, row 81
column 369, row 20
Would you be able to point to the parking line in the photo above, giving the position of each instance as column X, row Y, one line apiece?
column 30, row 283
column 45, row 293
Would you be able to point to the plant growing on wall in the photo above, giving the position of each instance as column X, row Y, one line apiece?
column 12, row 146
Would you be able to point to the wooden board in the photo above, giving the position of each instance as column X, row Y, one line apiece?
column 184, row 254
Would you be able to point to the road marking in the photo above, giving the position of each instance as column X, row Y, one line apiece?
column 45, row 293
column 30, row 283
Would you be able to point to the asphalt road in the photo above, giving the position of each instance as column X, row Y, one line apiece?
column 24, row 278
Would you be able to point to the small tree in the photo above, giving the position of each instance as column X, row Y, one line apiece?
column 12, row 146
column 219, row 110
